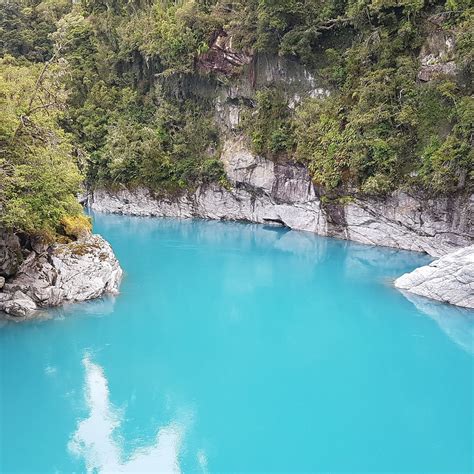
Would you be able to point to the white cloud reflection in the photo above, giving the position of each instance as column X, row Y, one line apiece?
column 94, row 438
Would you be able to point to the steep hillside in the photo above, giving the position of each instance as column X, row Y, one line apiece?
column 371, row 96
column 360, row 111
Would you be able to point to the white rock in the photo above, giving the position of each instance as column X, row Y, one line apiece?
column 449, row 279
column 264, row 191
column 72, row 272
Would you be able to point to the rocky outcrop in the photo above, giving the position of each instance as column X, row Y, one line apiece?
column 436, row 55
column 449, row 279
column 61, row 273
column 221, row 57
column 435, row 225
column 264, row 191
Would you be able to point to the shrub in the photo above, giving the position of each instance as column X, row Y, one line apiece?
column 76, row 226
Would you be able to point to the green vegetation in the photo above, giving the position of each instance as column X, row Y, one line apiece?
column 95, row 91
column 38, row 175
column 269, row 125
column 382, row 128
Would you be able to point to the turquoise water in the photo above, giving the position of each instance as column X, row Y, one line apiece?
column 240, row 348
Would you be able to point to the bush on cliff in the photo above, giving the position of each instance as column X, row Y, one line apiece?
column 39, row 178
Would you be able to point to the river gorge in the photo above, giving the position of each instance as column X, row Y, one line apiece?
column 236, row 236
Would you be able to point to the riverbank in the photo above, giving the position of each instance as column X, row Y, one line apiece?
column 262, row 191
column 449, row 279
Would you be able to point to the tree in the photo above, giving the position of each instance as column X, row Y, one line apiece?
column 39, row 179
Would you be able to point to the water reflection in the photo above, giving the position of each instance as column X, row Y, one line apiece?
column 457, row 323
column 96, row 440
column 97, row 307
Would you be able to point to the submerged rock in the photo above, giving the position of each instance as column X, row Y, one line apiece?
column 449, row 279
column 457, row 323
column 61, row 273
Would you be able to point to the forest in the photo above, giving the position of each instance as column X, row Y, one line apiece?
column 90, row 96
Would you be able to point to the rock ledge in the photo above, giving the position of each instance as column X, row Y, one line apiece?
column 264, row 191
column 449, row 279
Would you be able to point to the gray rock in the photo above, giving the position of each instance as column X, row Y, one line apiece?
column 432, row 71
column 10, row 253
column 449, row 279
column 436, row 56
column 19, row 306
column 263, row 191
column 62, row 273
column 2, row 282
column 435, row 226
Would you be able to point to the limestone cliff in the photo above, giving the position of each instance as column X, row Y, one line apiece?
column 283, row 193
column 280, row 190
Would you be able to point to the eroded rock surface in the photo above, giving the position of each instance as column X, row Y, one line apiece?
column 264, row 191
column 10, row 254
column 436, row 55
column 53, row 275
column 449, row 279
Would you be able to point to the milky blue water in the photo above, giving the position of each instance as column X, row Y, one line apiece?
column 240, row 348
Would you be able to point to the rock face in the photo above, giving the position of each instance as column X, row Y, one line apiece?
column 51, row 276
column 436, row 55
column 10, row 254
column 222, row 57
column 264, row 191
column 449, row 279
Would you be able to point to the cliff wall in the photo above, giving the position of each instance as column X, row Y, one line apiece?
column 282, row 193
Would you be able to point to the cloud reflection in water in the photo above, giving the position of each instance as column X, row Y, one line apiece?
column 94, row 438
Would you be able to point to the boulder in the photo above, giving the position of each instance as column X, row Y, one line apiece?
column 20, row 305
column 61, row 273
column 449, row 279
